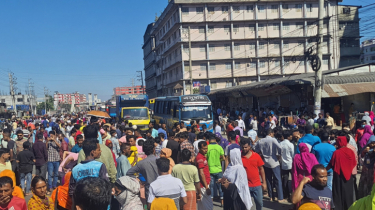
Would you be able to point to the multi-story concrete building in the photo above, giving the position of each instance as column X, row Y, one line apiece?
column 67, row 98
column 129, row 90
column 349, row 36
column 234, row 42
column 20, row 100
column 368, row 51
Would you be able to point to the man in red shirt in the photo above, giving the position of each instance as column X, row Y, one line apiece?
column 7, row 201
column 204, row 175
column 230, row 126
column 253, row 165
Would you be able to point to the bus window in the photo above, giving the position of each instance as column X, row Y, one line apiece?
column 169, row 107
column 160, row 109
column 175, row 107
column 165, row 111
column 156, row 107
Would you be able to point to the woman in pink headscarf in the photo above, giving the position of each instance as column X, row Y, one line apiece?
column 302, row 165
column 372, row 116
column 367, row 133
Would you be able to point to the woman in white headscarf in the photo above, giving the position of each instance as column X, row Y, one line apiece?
column 127, row 193
column 234, row 181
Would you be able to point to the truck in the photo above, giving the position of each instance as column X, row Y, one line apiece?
column 133, row 108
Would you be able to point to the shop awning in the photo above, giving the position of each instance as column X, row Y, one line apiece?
column 339, row 90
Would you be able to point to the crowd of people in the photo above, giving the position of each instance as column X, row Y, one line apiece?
column 82, row 162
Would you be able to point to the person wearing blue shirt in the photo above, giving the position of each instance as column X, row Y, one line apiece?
column 309, row 138
column 163, row 129
column 154, row 132
column 48, row 128
column 323, row 153
column 78, row 146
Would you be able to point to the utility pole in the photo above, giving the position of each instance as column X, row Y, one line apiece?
column 45, row 99
column 143, row 92
column 190, row 66
column 11, row 85
column 318, row 74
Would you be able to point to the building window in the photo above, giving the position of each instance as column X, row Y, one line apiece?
column 325, row 61
column 227, row 28
column 211, row 10
column 227, row 47
column 203, row 66
column 276, row 26
column 199, row 10
column 237, row 65
column 286, row 62
column 228, row 84
column 309, row 7
column 19, row 100
column 236, row 9
column 185, row 30
column 261, row 45
column 224, row 9
column 286, row 26
column 261, row 8
column 285, row 7
column 212, row 48
column 301, row 43
column 212, row 66
column 299, row 7
column 185, row 10
column 253, row 65
column 202, row 48
column 236, row 28
column 228, row 66
column 249, row 8
column 286, row 45
column 276, row 45
column 202, row 29
column 236, row 47
column 260, row 27
column 252, row 27
column 346, row 10
column 187, row 68
column 274, row 8
column 301, row 62
column 262, row 64
column 299, row 25
column 277, row 63
column 252, row 47
column 213, row 85
column 211, row 29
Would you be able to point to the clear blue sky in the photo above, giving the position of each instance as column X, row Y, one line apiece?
column 76, row 45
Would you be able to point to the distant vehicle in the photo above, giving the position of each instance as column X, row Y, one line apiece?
column 134, row 108
column 111, row 110
column 172, row 109
column 4, row 113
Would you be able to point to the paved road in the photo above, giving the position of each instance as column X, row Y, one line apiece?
column 267, row 205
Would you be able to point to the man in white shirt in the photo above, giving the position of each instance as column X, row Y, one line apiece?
column 241, row 123
column 252, row 134
column 287, row 154
column 254, row 123
column 200, row 137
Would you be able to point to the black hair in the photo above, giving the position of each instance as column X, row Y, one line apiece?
column 141, row 142
column 79, row 137
column 6, row 131
column 161, row 135
column 184, row 135
column 204, row 126
column 93, row 193
column 314, row 170
column 188, row 128
column 200, row 135
column 89, row 145
column 202, row 144
column 185, row 155
column 211, row 136
column 334, row 132
column 19, row 132
column 345, row 125
column 287, row 133
column 91, row 131
column 269, row 131
column 40, row 136
column 78, row 126
column 124, row 145
column 112, row 132
column 37, row 179
column 149, row 131
column 231, row 136
column 157, row 140
column 250, row 127
column 192, row 122
column 245, row 141
column 163, row 164
column 237, row 132
column 308, row 129
column 52, row 132
column 148, row 147
column 3, row 151
column 26, row 145
column 6, row 180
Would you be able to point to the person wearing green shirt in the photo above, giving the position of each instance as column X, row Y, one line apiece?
column 215, row 154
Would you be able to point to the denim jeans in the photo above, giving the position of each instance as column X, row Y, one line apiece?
column 214, row 186
column 273, row 178
column 27, row 177
column 257, row 194
column 329, row 180
column 53, row 169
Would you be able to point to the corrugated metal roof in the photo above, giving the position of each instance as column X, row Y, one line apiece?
column 339, row 90
column 357, row 78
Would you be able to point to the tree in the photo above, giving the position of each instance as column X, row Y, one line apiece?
column 50, row 105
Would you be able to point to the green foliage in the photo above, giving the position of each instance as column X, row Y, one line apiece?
column 195, row 91
column 50, row 106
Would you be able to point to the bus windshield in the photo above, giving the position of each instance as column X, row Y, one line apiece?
column 112, row 109
column 196, row 112
column 136, row 114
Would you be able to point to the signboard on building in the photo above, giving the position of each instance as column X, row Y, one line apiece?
column 196, row 84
